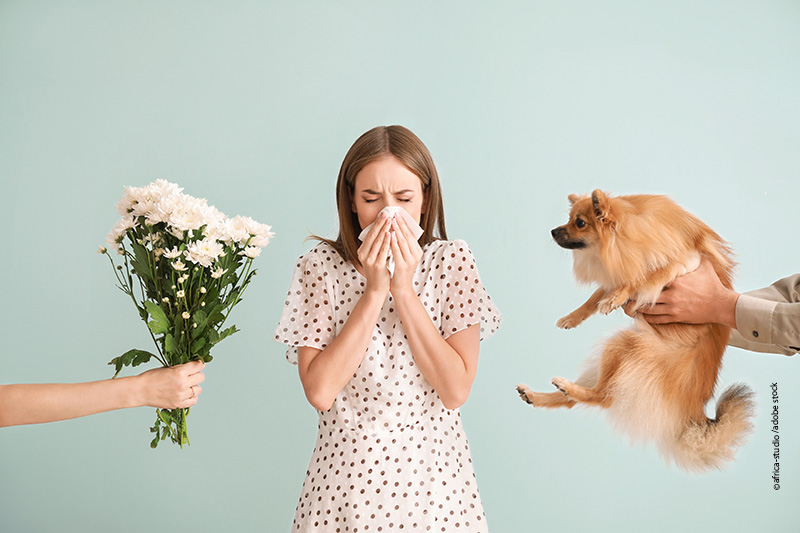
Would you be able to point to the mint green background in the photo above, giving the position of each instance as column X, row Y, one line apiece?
column 253, row 106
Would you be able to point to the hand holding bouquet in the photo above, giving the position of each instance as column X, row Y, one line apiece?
column 191, row 265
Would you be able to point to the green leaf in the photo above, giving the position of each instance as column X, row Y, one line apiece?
column 140, row 357
column 198, row 344
column 231, row 297
column 200, row 317
column 160, row 322
column 216, row 318
column 226, row 333
column 117, row 362
column 130, row 358
column 170, row 345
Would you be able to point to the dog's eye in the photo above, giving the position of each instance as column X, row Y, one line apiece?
column 580, row 223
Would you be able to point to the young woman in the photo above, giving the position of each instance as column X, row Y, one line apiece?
column 387, row 359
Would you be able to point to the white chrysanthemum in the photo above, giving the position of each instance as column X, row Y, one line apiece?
column 143, row 207
column 125, row 204
column 236, row 230
column 218, row 273
column 251, row 251
column 118, row 232
column 163, row 208
column 244, row 230
column 173, row 254
column 179, row 266
column 215, row 231
column 175, row 232
column 162, row 187
column 204, row 252
column 262, row 237
column 189, row 218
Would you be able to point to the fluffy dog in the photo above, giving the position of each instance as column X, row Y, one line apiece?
column 654, row 380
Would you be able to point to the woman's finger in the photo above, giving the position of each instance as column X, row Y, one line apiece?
column 401, row 236
column 378, row 250
column 192, row 367
column 194, row 379
column 377, row 227
column 373, row 238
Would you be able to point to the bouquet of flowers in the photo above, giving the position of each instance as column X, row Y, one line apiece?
column 191, row 265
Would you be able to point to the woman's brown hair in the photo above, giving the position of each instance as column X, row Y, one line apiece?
column 379, row 142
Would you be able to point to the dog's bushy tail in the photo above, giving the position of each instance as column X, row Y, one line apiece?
column 703, row 446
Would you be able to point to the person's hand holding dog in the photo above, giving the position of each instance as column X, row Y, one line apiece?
column 695, row 298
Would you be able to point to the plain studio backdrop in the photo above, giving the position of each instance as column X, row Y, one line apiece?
column 253, row 105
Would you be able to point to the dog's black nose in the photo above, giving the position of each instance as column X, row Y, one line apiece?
column 557, row 231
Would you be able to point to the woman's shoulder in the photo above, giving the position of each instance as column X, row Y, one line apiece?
column 322, row 256
column 443, row 248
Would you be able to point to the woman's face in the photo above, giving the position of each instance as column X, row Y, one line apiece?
column 386, row 182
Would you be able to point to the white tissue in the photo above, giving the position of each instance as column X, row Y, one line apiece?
column 394, row 212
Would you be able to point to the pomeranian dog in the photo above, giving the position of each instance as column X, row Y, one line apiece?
column 654, row 380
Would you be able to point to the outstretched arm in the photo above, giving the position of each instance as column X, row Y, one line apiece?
column 165, row 388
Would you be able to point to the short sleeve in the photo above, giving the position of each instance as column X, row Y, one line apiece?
column 307, row 318
column 465, row 301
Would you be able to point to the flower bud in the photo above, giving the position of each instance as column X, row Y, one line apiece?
column 165, row 300
column 180, row 294
column 202, row 304
column 186, row 315
column 203, row 290
column 102, row 250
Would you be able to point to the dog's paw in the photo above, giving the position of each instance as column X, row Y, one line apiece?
column 608, row 305
column 525, row 394
column 561, row 384
column 615, row 300
column 568, row 322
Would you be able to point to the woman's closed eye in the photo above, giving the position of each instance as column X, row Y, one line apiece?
column 370, row 200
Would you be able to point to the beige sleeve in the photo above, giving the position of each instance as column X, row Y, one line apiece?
column 768, row 319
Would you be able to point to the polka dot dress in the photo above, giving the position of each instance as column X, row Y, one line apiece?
column 389, row 456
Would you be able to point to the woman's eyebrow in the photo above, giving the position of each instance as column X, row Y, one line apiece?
column 404, row 191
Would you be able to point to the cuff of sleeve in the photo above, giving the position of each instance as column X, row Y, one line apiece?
column 754, row 318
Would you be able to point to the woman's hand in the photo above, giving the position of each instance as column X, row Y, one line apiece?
column 407, row 253
column 373, row 255
column 175, row 387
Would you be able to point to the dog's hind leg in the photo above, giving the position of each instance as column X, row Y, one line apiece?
column 548, row 400
column 597, row 396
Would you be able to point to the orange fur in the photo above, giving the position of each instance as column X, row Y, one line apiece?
column 654, row 380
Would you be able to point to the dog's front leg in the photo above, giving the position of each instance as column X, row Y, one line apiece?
column 583, row 312
column 616, row 298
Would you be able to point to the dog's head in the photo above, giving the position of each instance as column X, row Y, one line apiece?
column 590, row 219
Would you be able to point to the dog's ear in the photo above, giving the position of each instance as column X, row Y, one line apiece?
column 573, row 198
column 600, row 204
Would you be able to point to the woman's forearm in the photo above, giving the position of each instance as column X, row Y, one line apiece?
column 40, row 402
column 448, row 370
column 324, row 373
